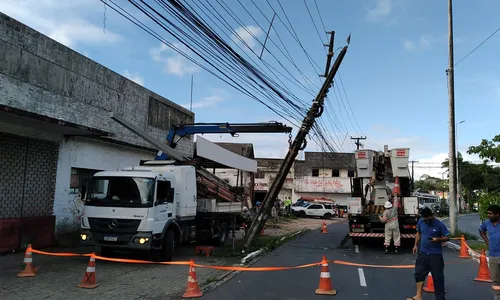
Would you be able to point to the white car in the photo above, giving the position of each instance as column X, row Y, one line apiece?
column 314, row 210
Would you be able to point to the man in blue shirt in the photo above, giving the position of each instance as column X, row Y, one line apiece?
column 490, row 232
column 430, row 234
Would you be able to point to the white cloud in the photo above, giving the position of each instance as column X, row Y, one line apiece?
column 215, row 97
column 205, row 102
column 135, row 77
column 62, row 21
column 423, row 43
column 175, row 63
column 246, row 36
column 381, row 11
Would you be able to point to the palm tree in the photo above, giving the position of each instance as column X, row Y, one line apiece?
column 446, row 163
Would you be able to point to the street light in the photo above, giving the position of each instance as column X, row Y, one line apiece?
column 459, row 182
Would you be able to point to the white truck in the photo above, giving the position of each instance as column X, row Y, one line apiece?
column 377, row 173
column 153, row 207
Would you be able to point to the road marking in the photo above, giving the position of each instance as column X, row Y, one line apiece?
column 362, row 279
column 356, row 248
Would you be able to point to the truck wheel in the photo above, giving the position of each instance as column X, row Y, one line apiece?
column 106, row 251
column 328, row 216
column 302, row 214
column 168, row 248
column 223, row 234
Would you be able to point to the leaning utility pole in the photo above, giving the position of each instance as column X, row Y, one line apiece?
column 452, row 151
column 298, row 144
column 358, row 144
column 413, row 175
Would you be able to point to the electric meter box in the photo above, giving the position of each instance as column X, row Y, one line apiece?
column 364, row 163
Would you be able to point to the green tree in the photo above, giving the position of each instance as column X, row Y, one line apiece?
column 446, row 163
column 430, row 183
column 487, row 150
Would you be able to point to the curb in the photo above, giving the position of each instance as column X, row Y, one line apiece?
column 246, row 261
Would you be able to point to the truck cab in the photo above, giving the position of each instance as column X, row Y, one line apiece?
column 139, row 208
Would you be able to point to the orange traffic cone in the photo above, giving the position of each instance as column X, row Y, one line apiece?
column 397, row 191
column 484, row 273
column 27, row 270
column 89, row 281
column 464, row 251
column 325, row 282
column 429, row 287
column 324, row 229
column 192, row 289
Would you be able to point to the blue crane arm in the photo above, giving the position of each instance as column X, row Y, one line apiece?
column 178, row 132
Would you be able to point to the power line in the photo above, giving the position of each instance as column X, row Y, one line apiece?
column 320, row 17
column 478, row 46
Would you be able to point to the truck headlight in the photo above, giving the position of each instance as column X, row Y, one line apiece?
column 142, row 240
column 83, row 236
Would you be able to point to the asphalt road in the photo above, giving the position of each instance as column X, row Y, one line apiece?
column 350, row 282
column 467, row 223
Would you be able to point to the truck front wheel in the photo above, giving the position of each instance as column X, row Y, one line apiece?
column 168, row 248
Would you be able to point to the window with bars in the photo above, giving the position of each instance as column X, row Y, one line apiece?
column 80, row 179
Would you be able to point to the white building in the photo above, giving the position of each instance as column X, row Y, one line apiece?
column 319, row 175
column 55, row 131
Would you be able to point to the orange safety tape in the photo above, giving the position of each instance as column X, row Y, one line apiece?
column 346, row 263
column 228, row 268
column 65, row 254
column 257, row 269
column 136, row 261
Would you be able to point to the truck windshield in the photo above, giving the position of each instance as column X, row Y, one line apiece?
column 121, row 191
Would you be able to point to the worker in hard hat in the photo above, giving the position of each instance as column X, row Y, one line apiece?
column 390, row 219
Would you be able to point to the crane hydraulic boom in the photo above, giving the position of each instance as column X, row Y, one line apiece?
column 177, row 132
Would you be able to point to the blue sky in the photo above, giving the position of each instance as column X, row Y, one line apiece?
column 393, row 74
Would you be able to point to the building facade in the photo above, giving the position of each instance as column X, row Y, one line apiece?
column 267, row 171
column 320, row 175
column 55, row 131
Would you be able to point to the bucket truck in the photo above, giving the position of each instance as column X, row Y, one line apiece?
column 381, row 176
column 169, row 200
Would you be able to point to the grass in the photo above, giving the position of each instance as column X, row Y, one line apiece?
column 209, row 280
column 467, row 235
column 478, row 246
column 270, row 242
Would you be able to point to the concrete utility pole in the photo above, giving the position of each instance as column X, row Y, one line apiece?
column 452, row 148
column 413, row 174
column 297, row 145
column 358, row 144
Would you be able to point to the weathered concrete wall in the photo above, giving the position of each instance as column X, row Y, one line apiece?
column 325, row 160
column 84, row 153
column 39, row 75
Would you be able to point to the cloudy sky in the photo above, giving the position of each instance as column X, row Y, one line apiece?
column 393, row 85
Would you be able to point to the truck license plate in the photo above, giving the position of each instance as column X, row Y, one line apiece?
column 110, row 238
column 358, row 230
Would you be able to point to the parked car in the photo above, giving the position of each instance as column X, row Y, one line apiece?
column 309, row 209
